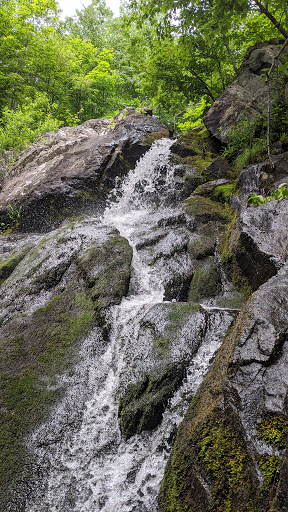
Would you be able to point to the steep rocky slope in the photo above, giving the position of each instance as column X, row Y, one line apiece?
column 213, row 256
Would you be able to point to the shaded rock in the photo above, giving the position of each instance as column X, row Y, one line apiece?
column 218, row 169
column 74, row 167
column 203, row 209
column 246, row 97
column 206, row 281
column 208, row 188
column 231, row 448
column 257, row 244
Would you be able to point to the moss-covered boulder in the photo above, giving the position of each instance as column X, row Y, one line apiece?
column 203, row 209
column 54, row 291
column 206, row 282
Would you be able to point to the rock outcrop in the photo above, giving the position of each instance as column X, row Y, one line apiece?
column 76, row 168
column 230, row 451
column 246, row 97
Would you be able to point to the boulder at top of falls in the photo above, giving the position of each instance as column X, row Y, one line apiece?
column 64, row 171
column 247, row 96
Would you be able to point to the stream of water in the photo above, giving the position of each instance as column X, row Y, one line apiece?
column 88, row 466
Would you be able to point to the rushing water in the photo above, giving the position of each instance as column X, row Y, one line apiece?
column 88, row 466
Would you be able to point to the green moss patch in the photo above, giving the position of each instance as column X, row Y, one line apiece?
column 8, row 266
column 269, row 466
column 223, row 193
column 151, row 137
column 274, row 429
column 221, row 449
column 204, row 209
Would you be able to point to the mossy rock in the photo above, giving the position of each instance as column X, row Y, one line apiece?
column 205, row 210
column 210, row 468
column 206, row 281
column 152, row 137
column 223, row 193
column 59, row 290
column 33, row 350
column 202, row 246
column 207, row 189
column 106, row 269
column 144, row 403
column 196, row 142
column 7, row 266
column 245, row 265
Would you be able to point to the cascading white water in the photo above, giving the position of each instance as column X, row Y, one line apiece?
column 88, row 465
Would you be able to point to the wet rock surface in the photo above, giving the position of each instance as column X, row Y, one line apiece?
column 76, row 167
column 54, row 291
column 243, row 401
column 169, row 336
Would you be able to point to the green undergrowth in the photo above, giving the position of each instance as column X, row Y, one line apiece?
column 276, row 195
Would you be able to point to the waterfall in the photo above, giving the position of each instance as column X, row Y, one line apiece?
column 87, row 465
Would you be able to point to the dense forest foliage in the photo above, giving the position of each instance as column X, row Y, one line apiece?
column 173, row 56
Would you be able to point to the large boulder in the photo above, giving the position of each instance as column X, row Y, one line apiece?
column 256, row 246
column 247, row 96
column 75, row 167
column 54, row 290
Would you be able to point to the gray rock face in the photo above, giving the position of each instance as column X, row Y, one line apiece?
column 258, row 242
column 260, row 178
column 246, row 97
column 54, row 290
column 74, row 167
